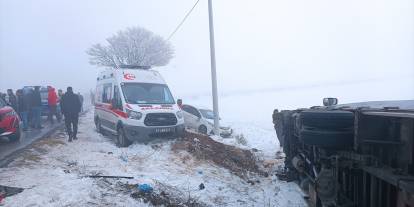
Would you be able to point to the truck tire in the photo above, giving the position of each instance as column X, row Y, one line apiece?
column 327, row 139
column 330, row 120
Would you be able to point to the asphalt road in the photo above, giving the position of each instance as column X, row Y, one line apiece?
column 7, row 148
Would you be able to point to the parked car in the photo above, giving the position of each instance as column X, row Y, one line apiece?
column 202, row 120
column 9, row 122
column 136, row 104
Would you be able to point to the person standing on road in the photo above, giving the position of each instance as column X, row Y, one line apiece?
column 52, row 100
column 60, row 93
column 27, row 96
column 22, row 108
column 92, row 98
column 36, row 108
column 180, row 103
column 71, row 107
column 81, row 101
column 12, row 99
column 3, row 96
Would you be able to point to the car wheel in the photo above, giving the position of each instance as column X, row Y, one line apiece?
column 122, row 140
column 99, row 126
column 16, row 136
column 327, row 139
column 202, row 129
column 331, row 120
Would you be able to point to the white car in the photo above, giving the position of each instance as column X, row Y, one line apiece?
column 202, row 120
column 136, row 104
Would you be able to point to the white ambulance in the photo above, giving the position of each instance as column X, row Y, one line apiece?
column 136, row 105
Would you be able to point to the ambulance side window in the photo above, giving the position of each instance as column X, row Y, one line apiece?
column 106, row 93
column 117, row 102
column 98, row 93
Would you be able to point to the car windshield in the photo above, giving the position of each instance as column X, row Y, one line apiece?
column 208, row 114
column 147, row 93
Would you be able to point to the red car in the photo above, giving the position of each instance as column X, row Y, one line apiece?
column 9, row 122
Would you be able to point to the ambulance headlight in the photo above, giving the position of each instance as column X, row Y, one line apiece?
column 134, row 114
column 179, row 114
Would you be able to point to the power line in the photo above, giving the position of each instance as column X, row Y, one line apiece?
column 182, row 21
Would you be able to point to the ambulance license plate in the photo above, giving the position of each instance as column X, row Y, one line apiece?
column 163, row 130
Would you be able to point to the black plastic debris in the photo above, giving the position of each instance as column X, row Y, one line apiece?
column 10, row 191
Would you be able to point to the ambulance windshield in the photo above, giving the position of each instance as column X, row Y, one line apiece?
column 147, row 93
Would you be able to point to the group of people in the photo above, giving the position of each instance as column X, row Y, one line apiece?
column 27, row 103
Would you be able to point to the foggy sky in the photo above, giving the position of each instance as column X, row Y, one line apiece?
column 261, row 44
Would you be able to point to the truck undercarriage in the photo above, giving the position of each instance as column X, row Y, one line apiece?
column 343, row 156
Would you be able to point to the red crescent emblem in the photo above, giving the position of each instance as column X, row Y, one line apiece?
column 129, row 76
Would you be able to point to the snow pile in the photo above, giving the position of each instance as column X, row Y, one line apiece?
column 57, row 174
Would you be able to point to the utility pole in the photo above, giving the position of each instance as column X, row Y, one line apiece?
column 213, row 70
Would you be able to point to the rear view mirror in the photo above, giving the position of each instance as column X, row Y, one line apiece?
column 330, row 101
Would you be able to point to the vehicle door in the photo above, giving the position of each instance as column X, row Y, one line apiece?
column 192, row 116
column 105, row 107
column 117, row 108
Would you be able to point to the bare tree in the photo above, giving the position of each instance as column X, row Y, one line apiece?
column 133, row 46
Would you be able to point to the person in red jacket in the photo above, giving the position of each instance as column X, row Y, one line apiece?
column 52, row 100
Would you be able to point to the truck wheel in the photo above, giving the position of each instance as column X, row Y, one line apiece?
column 122, row 140
column 202, row 129
column 327, row 139
column 327, row 119
column 16, row 136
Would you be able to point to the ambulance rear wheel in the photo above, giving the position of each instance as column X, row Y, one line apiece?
column 98, row 126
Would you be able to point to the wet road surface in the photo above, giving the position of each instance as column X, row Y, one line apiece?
column 7, row 148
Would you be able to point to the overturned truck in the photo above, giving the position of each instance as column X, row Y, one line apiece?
column 343, row 156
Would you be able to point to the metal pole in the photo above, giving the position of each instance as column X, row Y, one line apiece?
column 213, row 70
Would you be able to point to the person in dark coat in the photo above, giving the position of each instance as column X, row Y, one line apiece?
column 36, row 108
column 71, row 107
column 23, row 108
column 3, row 96
column 12, row 99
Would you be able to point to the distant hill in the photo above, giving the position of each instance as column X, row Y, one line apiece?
column 403, row 104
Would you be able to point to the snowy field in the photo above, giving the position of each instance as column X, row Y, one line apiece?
column 53, row 173
column 249, row 112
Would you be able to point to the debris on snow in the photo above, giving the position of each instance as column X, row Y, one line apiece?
column 145, row 188
column 240, row 139
column 109, row 176
column 166, row 195
column 7, row 191
column 239, row 161
column 201, row 186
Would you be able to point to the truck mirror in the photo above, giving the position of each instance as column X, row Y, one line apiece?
column 330, row 101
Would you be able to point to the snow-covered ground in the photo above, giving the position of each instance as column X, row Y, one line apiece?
column 53, row 172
